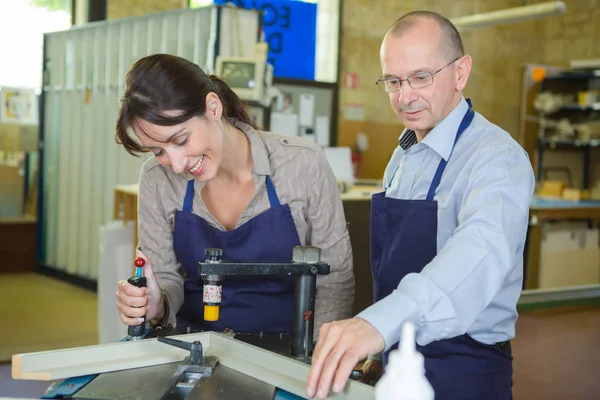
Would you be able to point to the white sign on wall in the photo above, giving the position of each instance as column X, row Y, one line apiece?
column 18, row 106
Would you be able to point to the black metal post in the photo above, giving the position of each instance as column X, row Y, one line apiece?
column 304, row 313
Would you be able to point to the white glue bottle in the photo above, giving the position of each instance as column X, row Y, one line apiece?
column 404, row 378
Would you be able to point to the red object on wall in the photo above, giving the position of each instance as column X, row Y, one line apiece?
column 356, row 161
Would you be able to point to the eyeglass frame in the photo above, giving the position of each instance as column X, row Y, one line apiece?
column 383, row 80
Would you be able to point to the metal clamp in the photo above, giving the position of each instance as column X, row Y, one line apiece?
column 306, row 264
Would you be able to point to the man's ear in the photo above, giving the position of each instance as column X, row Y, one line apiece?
column 462, row 70
column 214, row 107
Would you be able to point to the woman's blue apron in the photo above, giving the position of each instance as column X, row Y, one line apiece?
column 250, row 304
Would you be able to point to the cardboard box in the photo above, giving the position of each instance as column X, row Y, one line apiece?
column 570, row 255
column 552, row 188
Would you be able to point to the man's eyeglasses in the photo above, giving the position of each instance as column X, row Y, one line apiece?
column 416, row 81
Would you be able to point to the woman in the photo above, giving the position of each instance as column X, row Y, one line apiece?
column 216, row 181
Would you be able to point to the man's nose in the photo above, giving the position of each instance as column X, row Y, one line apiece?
column 406, row 94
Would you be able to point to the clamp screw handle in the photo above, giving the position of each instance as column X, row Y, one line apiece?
column 213, row 254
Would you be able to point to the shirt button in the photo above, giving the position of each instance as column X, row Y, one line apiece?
column 285, row 141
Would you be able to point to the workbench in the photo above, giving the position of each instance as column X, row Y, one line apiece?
column 543, row 210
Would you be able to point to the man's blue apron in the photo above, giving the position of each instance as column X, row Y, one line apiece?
column 249, row 304
column 403, row 241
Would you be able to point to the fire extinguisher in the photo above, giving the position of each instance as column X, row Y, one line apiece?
column 356, row 161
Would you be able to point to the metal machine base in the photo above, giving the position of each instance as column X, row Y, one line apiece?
column 156, row 383
column 179, row 381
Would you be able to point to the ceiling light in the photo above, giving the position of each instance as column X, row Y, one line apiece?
column 510, row 15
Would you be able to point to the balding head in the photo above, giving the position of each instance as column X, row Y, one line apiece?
column 424, row 68
column 450, row 44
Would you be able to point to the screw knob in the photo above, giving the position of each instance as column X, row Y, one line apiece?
column 307, row 315
column 139, row 262
column 213, row 254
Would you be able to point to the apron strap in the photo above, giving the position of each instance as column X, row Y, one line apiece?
column 273, row 199
column 188, row 200
column 437, row 178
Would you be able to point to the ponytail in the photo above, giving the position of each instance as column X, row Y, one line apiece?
column 233, row 106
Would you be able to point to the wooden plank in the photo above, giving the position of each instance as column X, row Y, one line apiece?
column 277, row 370
column 67, row 363
column 274, row 369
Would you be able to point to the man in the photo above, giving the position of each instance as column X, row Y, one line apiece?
column 448, row 232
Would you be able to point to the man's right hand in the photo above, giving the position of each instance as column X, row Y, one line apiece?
column 372, row 371
column 134, row 302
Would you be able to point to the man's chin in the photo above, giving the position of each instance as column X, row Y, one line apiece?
column 411, row 125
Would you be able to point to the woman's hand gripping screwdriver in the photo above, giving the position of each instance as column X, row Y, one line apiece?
column 136, row 332
column 138, row 303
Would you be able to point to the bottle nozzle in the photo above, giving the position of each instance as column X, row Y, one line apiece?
column 407, row 342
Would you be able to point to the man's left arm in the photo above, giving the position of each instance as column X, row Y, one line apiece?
column 450, row 293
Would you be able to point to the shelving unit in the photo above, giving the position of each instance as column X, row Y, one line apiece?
column 541, row 134
column 586, row 147
column 577, row 107
column 569, row 116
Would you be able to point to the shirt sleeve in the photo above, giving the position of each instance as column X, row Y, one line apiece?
column 449, row 294
column 327, row 230
column 156, row 240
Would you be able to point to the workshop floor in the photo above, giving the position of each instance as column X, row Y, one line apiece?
column 557, row 351
column 41, row 313
column 557, row 354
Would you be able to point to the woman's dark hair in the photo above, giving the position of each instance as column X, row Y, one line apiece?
column 164, row 82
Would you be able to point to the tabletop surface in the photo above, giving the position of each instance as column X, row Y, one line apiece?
column 546, row 202
column 364, row 192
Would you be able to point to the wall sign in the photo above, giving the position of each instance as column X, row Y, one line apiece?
column 351, row 80
column 18, row 106
column 290, row 29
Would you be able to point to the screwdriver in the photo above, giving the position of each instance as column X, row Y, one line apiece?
column 137, row 332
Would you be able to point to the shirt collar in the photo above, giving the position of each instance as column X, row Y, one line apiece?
column 260, row 155
column 441, row 138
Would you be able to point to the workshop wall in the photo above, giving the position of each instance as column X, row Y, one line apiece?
column 134, row 8
column 498, row 53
